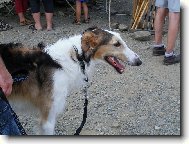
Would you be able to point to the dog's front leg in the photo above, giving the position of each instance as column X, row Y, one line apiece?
column 47, row 126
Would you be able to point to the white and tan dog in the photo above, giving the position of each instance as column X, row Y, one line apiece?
column 54, row 71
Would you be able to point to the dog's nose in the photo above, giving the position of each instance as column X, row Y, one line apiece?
column 138, row 62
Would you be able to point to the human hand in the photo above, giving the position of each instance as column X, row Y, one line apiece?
column 5, row 80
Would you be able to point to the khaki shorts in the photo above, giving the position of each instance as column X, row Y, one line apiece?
column 172, row 5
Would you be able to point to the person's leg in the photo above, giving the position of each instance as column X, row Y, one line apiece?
column 86, row 11
column 78, row 11
column 49, row 17
column 49, row 9
column 162, row 11
column 173, row 28
column 21, row 7
column 35, row 8
column 159, row 48
column 19, row 10
column 158, row 24
column 174, row 21
column 36, row 17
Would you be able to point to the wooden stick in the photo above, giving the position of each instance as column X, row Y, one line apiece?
column 153, row 16
column 110, row 14
column 146, row 16
column 137, row 8
column 138, row 15
column 134, row 8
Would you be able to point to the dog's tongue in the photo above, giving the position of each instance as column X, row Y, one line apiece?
column 115, row 63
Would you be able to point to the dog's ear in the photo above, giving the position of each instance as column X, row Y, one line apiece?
column 91, row 29
column 41, row 45
column 89, row 43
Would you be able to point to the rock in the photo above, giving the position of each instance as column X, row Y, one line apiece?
column 123, row 27
column 141, row 35
column 88, row 132
column 115, row 25
column 115, row 125
column 61, row 13
column 143, row 118
column 157, row 128
column 113, row 12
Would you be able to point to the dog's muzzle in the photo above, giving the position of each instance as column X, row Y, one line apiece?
column 136, row 62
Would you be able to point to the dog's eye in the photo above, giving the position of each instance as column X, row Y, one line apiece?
column 117, row 44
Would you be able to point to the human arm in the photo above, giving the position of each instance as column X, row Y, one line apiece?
column 5, row 79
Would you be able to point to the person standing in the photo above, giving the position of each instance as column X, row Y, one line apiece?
column 79, row 5
column 49, row 9
column 172, row 9
column 21, row 6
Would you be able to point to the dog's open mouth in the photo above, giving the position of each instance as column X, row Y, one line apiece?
column 113, row 61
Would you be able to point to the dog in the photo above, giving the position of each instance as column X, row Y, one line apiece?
column 55, row 70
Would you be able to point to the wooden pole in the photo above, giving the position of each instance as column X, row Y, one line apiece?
column 110, row 14
column 140, row 16
column 137, row 18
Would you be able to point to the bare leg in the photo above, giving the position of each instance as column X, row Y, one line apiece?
column 78, row 10
column 49, row 20
column 36, row 17
column 21, row 17
column 85, row 8
column 174, row 21
column 159, row 21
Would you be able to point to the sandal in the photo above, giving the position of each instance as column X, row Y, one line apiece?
column 76, row 22
column 32, row 27
column 86, row 20
column 25, row 22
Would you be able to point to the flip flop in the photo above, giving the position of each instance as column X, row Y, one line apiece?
column 76, row 22
column 25, row 22
column 32, row 27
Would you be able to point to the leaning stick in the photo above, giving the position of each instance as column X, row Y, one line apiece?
column 138, row 15
column 109, row 14
column 153, row 17
column 70, row 5
column 134, row 7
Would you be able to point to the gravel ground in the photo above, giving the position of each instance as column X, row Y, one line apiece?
column 145, row 100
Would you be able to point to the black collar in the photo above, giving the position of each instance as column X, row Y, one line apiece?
column 81, row 62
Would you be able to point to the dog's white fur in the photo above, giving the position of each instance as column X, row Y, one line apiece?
column 71, row 76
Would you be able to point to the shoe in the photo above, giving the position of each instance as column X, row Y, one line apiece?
column 171, row 60
column 158, row 51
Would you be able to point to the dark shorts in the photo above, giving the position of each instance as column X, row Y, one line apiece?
column 83, row 0
column 48, row 6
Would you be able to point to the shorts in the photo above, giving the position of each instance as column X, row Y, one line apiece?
column 83, row 0
column 172, row 5
column 35, row 6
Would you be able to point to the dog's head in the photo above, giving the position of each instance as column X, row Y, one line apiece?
column 109, row 46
